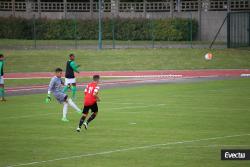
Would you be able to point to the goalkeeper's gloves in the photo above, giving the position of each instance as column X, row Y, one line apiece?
column 48, row 99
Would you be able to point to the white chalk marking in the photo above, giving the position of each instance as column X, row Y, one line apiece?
column 126, row 149
column 112, row 76
column 245, row 75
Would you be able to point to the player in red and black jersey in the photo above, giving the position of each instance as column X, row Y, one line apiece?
column 90, row 102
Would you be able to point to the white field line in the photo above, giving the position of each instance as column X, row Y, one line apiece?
column 208, row 146
column 126, row 149
column 118, row 108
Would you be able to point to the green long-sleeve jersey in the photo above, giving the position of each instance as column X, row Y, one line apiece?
column 1, row 67
column 71, row 67
column 74, row 66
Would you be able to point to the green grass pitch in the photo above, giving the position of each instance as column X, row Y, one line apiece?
column 126, row 59
column 185, row 118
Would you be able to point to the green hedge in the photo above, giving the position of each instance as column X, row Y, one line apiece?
column 124, row 29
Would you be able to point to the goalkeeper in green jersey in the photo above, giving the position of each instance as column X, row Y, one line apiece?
column 70, row 80
column 2, row 93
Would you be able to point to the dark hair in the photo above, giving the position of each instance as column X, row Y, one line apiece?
column 96, row 77
column 1, row 55
column 71, row 54
column 58, row 70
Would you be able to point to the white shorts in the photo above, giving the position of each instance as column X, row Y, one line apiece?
column 1, row 80
column 69, row 81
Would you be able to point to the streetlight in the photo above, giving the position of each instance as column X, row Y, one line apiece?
column 100, row 24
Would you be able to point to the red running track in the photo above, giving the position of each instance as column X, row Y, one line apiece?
column 141, row 77
column 166, row 73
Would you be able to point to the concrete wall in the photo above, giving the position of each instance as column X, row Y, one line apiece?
column 210, row 24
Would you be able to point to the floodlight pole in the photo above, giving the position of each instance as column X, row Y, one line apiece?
column 100, row 26
column 75, row 31
column 34, row 30
column 191, row 30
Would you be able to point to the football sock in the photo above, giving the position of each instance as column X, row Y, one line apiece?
column 65, row 89
column 65, row 109
column 81, row 121
column 91, row 118
column 73, row 91
column 1, row 92
column 73, row 105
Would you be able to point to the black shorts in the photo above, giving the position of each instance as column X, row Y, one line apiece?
column 94, row 108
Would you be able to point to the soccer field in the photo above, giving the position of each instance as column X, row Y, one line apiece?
column 126, row 59
column 185, row 124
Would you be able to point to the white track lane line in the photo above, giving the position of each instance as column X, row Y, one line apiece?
column 111, row 76
column 153, row 80
column 41, row 87
column 126, row 149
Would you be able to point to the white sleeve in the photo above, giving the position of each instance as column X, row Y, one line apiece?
column 51, row 85
column 96, row 89
column 85, row 90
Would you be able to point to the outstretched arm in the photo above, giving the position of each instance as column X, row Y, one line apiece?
column 51, row 85
column 1, row 64
column 74, row 66
column 96, row 91
column 97, row 97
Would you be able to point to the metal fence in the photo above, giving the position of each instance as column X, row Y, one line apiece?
column 238, row 29
column 83, row 34
column 123, row 6
column 160, row 9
